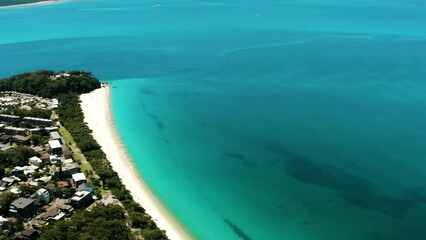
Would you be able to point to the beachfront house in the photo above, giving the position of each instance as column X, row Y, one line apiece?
column 82, row 199
column 55, row 146
column 55, row 136
column 68, row 169
column 78, row 178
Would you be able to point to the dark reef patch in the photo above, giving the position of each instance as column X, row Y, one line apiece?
column 146, row 92
column 237, row 156
column 155, row 118
column 352, row 189
column 237, row 230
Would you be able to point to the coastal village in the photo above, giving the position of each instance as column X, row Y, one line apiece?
column 53, row 183
column 56, row 182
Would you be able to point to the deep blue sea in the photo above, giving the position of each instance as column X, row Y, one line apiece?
column 272, row 119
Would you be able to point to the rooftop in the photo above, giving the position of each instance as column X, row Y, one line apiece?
column 54, row 144
column 78, row 177
column 22, row 202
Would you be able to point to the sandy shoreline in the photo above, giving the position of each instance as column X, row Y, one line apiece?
column 97, row 111
column 30, row 4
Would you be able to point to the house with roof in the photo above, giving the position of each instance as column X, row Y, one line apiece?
column 55, row 146
column 38, row 121
column 70, row 169
column 5, row 147
column 55, row 136
column 53, row 159
column 78, row 178
column 9, row 118
column 43, row 195
column 36, row 161
column 24, row 140
column 24, row 207
column 82, row 199
column 28, row 234
column 5, row 138
column 3, row 222
column 85, row 187
column 16, row 131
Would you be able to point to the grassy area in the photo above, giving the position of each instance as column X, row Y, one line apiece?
column 77, row 155
column 86, row 167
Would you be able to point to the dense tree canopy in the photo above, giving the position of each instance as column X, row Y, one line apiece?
column 16, row 157
column 40, row 83
column 102, row 222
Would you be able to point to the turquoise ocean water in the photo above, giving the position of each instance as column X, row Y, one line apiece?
column 299, row 120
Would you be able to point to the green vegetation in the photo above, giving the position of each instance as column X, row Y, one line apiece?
column 39, row 83
column 15, row 157
column 71, row 117
column 5, row 200
column 102, row 222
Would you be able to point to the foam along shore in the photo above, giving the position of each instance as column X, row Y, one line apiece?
column 97, row 111
column 30, row 3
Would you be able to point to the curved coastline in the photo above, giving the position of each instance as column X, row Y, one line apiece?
column 97, row 109
column 31, row 4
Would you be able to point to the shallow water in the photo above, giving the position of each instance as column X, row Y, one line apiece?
column 255, row 119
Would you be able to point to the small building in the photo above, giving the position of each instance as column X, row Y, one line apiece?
column 15, row 131
column 5, row 147
column 24, row 140
column 66, row 208
column 63, row 184
column 36, row 161
column 55, row 136
column 34, row 130
column 67, row 161
column 38, row 149
column 78, row 178
column 43, row 195
column 28, row 234
column 51, row 129
column 30, row 170
column 51, row 188
column 38, row 121
column 5, row 138
column 3, row 222
column 53, row 159
column 9, row 180
column 85, row 187
column 69, row 169
column 82, row 199
column 16, row 171
column 9, row 118
column 45, row 158
column 55, row 146
column 24, row 207
column 50, row 214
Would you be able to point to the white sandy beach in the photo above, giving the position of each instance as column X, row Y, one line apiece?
column 31, row 4
column 98, row 115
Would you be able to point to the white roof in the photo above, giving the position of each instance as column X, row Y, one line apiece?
column 66, row 161
column 35, row 158
column 42, row 191
column 54, row 144
column 78, row 177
